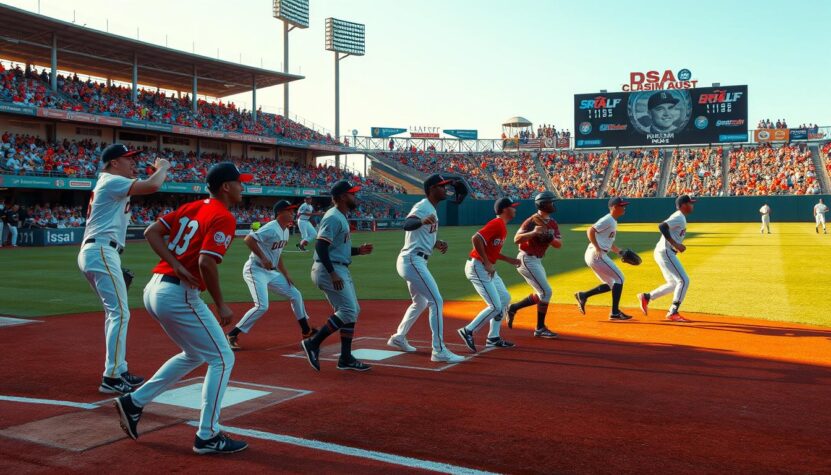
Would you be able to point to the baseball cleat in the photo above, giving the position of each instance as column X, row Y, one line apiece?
column 511, row 315
column 643, row 299
column 400, row 342
column 312, row 332
column 312, row 353
column 545, row 333
column 581, row 302
column 233, row 342
column 620, row 316
column 353, row 365
column 221, row 444
column 498, row 342
column 130, row 415
column 131, row 379
column 114, row 386
column 677, row 317
column 446, row 356
column 467, row 337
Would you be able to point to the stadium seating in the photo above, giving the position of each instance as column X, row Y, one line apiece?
column 575, row 174
column 696, row 171
column 764, row 170
column 635, row 174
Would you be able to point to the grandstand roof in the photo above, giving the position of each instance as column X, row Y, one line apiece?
column 517, row 122
column 26, row 37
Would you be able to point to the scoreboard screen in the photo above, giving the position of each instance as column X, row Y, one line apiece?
column 664, row 117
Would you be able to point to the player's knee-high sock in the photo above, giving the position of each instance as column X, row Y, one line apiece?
column 674, row 308
column 600, row 289
column 542, row 309
column 617, row 291
column 346, row 333
column 304, row 325
column 332, row 325
column 526, row 302
column 236, row 331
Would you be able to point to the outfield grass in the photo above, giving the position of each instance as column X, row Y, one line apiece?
column 733, row 270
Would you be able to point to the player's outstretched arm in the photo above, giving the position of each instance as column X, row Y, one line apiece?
column 154, row 182
column 210, row 275
column 155, row 235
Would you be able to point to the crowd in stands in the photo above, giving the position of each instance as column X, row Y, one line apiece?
column 764, row 170
column 30, row 155
column 52, row 216
column 768, row 124
column 516, row 174
column 430, row 161
column 635, row 174
column 696, row 171
column 576, row 174
column 549, row 131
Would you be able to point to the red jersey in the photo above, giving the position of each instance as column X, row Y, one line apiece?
column 494, row 234
column 199, row 227
column 533, row 246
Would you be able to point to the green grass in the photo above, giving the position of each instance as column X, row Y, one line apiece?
column 733, row 270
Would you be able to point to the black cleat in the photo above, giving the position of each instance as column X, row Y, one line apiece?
column 545, row 333
column 467, row 337
column 620, row 316
column 511, row 315
column 115, row 386
column 353, row 365
column 132, row 379
column 130, row 415
column 581, row 302
column 312, row 353
column 498, row 342
column 221, row 444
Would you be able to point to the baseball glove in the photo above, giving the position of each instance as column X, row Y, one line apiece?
column 128, row 276
column 630, row 257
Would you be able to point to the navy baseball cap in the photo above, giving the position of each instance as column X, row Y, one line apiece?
column 503, row 203
column 117, row 150
column 618, row 201
column 282, row 205
column 435, row 179
column 661, row 98
column 225, row 171
column 344, row 186
column 684, row 199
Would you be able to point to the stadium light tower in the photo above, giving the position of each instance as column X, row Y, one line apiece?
column 294, row 14
column 347, row 38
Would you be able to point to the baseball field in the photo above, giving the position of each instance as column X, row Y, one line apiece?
column 743, row 388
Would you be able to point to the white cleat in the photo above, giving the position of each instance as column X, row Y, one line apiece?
column 401, row 343
column 446, row 356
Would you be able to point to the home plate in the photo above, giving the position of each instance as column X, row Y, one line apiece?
column 374, row 355
column 191, row 396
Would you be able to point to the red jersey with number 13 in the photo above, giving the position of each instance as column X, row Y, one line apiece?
column 196, row 228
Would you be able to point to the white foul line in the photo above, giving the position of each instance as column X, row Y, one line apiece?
column 49, row 402
column 353, row 452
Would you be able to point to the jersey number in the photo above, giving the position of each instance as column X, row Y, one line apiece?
column 278, row 245
column 184, row 236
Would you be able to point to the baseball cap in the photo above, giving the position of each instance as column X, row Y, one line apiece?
column 618, row 201
column 503, row 203
column 684, row 199
column 435, row 179
column 661, row 98
column 344, row 186
column 225, row 171
column 117, row 150
column 282, row 205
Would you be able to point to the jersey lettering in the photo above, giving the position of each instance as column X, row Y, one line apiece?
column 183, row 235
column 611, row 235
column 278, row 245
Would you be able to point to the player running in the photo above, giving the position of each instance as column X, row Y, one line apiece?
column 304, row 223
column 819, row 216
column 601, row 241
column 264, row 271
column 330, row 273
column 421, row 226
column 487, row 249
column 765, row 212
column 100, row 256
column 673, row 230
column 534, row 237
column 191, row 242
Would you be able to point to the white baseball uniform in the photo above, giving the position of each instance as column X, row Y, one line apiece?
column 272, row 239
column 676, row 277
column 819, row 214
column 100, row 261
column 307, row 229
column 602, row 265
column 412, row 267
column 765, row 212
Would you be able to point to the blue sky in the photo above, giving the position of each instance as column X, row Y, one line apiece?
column 471, row 64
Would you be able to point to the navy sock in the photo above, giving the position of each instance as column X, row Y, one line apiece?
column 346, row 333
column 304, row 325
column 600, row 289
column 617, row 291
column 526, row 302
column 542, row 309
column 236, row 331
column 332, row 325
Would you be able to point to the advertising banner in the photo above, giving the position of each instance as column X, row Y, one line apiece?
column 771, row 135
column 384, row 132
column 799, row 134
column 463, row 134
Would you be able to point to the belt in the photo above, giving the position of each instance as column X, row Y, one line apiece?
column 170, row 279
column 112, row 244
column 532, row 255
column 424, row 255
column 335, row 262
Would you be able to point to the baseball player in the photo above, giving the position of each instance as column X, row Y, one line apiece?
column 264, row 271
column 330, row 272
column 819, row 216
column 421, row 226
column 765, row 212
column 307, row 229
column 601, row 241
column 673, row 230
column 487, row 249
column 100, row 256
column 191, row 242
column 534, row 237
